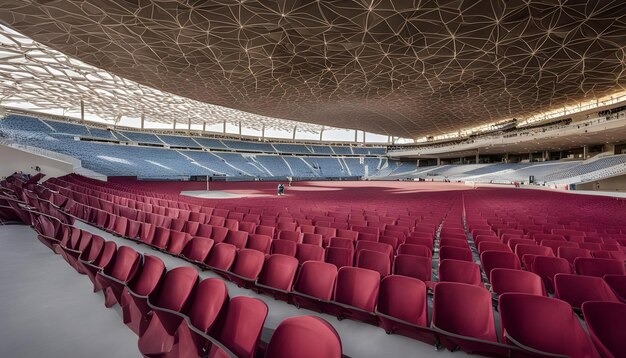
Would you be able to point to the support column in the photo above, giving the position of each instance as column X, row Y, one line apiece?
column 356, row 136
column 263, row 131
column 438, row 161
column 477, row 156
column 609, row 147
column 143, row 120
column 293, row 137
column 239, row 129
column 506, row 157
column 203, row 127
column 585, row 152
column 363, row 137
column 82, row 111
column 224, row 130
column 388, row 139
column 321, row 134
column 530, row 157
column 546, row 155
column 189, row 127
column 174, row 124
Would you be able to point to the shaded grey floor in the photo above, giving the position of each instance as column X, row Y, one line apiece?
column 48, row 310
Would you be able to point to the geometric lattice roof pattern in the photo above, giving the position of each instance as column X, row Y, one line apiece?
column 407, row 68
column 45, row 79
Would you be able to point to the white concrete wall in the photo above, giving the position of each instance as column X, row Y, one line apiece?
column 13, row 160
column 616, row 184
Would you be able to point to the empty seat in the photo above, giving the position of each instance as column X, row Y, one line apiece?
column 260, row 243
column 308, row 252
column 171, row 297
column 374, row 246
column 197, row 249
column 265, row 230
column 532, row 250
column 221, row 257
column 177, row 242
column 493, row 246
column 552, row 328
column 290, row 236
column 577, row 289
column 312, row 239
column 498, row 259
column 247, row 267
column 90, row 265
column 571, row 253
column 135, row 295
column 278, row 275
column 315, row 285
column 206, row 304
column 356, row 293
column 339, row 256
column 416, row 250
column 428, row 242
column 419, row 267
column 284, row 247
column 460, row 271
column 403, row 309
column 453, row 242
column 598, row 267
column 547, row 267
column 504, row 280
column 617, row 284
column 304, row 337
column 237, row 238
column 374, row 260
column 606, row 322
column 241, row 329
column 125, row 264
column 463, row 315
column 455, row 253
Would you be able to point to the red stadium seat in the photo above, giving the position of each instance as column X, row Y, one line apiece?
column 242, row 328
column 471, row 333
column 403, row 309
column 284, row 247
column 304, row 337
column 124, row 266
column 416, row 250
column 577, row 289
column 418, row 267
column 259, row 242
column 504, row 280
column 456, row 253
column 197, row 249
column 221, row 257
column 598, row 267
column 247, row 267
column 460, row 271
column 339, row 256
column 547, row 267
column 278, row 275
column 307, row 252
column 356, row 293
column 606, row 322
column 315, row 285
column 135, row 295
column 374, row 260
column 551, row 329
column 171, row 297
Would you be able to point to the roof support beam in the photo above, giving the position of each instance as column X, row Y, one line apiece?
column 143, row 120
column 82, row 111
column 295, row 128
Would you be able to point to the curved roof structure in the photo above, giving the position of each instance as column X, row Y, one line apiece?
column 405, row 68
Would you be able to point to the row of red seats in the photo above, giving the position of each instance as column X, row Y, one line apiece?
column 174, row 312
column 438, row 287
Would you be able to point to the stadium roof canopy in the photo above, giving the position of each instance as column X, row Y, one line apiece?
column 406, row 68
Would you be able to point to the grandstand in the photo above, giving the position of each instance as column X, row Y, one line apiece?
column 312, row 179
